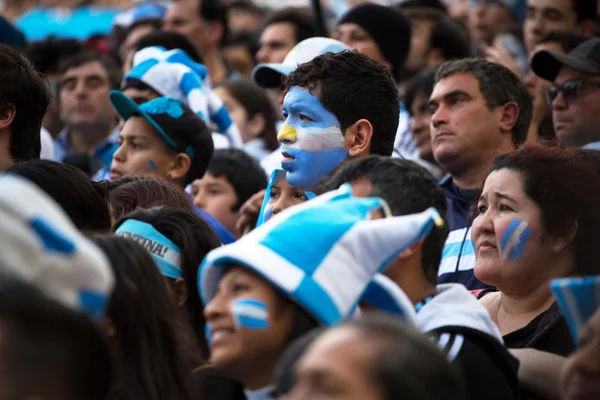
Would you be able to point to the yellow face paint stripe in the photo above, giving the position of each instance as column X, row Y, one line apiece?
column 287, row 132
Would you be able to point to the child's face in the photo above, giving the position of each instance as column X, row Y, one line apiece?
column 216, row 196
column 282, row 196
column 246, row 345
column 141, row 151
column 313, row 143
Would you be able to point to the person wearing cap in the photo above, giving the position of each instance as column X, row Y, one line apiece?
column 163, row 137
column 462, row 327
column 274, row 285
column 575, row 94
column 545, row 16
column 380, row 32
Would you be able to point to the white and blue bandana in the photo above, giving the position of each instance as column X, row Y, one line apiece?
column 173, row 73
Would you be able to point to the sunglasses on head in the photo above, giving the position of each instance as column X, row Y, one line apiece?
column 570, row 90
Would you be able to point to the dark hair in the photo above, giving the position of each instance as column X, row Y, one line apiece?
column 129, row 193
column 247, row 6
column 243, row 38
column 80, row 197
column 47, row 55
column 498, row 85
column 155, row 23
column 284, row 376
column 450, row 38
column 563, row 183
column 585, row 9
column 301, row 18
column 214, row 11
column 256, row 102
column 422, row 83
column 195, row 239
column 353, row 86
column 433, row 5
column 88, row 57
column 406, row 364
column 567, row 40
column 408, row 188
column 48, row 349
column 170, row 41
column 23, row 90
column 153, row 358
column 242, row 171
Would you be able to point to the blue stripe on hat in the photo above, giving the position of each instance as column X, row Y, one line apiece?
column 138, row 71
column 222, row 119
column 190, row 81
column 305, row 247
column 318, row 302
column 52, row 239
column 92, row 304
column 578, row 299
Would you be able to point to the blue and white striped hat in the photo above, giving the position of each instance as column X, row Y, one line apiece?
column 173, row 73
column 269, row 75
column 578, row 298
column 142, row 12
column 41, row 245
column 309, row 252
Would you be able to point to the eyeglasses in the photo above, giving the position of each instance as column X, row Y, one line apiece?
column 570, row 90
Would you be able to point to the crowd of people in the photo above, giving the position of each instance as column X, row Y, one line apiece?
column 341, row 199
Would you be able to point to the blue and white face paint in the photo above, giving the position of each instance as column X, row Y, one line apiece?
column 166, row 254
column 312, row 138
column 250, row 314
column 512, row 245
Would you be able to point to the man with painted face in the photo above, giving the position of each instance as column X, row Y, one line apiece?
column 337, row 106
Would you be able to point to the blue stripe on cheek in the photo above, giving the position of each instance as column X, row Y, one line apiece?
column 309, row 167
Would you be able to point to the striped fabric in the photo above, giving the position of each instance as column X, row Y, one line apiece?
column 578, row 298
column 173, row 73
column 41, row 246
column 454, row 248
column 323, row 253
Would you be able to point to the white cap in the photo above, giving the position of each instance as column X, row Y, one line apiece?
column 269, row 75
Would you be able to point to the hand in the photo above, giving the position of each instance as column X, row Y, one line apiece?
column 249, row 213
column 499, row 55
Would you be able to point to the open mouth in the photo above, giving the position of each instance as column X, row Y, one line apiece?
column 287, row 157
column 218, row 334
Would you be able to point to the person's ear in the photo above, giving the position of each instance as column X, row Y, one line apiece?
column 181, row 292
column 7, row 115
column 357, row 138
column 256, row 125
column 509, row 116
column 412, row 250
column 561, row 242
column 179, row 167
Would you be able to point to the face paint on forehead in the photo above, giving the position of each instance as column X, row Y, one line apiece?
column 313, row 143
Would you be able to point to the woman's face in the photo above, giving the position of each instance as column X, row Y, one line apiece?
column 237, row 112
column 246, row 353
column 580, row 377
column 503, row 199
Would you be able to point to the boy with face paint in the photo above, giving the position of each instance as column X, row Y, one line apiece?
column 164, row 137
column 338, row 104
column 262, row 292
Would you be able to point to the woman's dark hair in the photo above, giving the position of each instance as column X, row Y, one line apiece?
column 130, row 193
column 154, row 360
column 563, row 182
column 170, row 41
column 195, row 239
column 422, row 83
column 255, row 102
column 80, row 197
